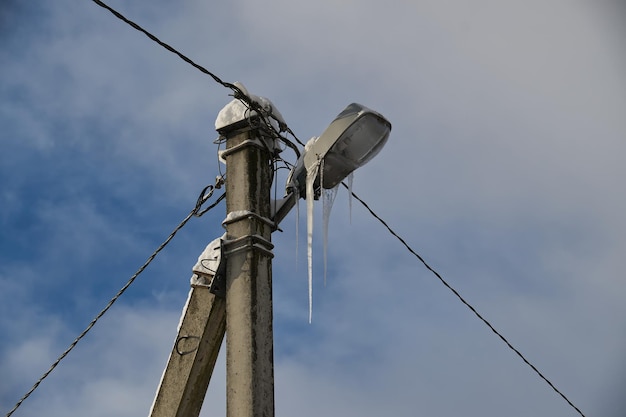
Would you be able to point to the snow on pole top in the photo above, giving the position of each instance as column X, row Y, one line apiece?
column 237, row 111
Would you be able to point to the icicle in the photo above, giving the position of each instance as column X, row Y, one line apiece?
column 350, row 179
column 311, row 174
column 328, row 198
column 297, row 197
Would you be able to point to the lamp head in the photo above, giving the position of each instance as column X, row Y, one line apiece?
column 355, row 136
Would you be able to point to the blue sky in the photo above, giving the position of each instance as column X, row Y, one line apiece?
column 504, row 170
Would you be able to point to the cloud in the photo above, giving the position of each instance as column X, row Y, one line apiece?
column 503, row 170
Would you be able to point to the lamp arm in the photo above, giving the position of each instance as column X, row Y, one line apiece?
column 282, row 207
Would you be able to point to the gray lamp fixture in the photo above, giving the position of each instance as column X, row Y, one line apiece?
column 355, row 136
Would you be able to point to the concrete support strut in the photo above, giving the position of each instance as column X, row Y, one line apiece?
column 192, row 360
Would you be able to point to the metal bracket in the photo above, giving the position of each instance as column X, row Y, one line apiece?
column 210, row 270
column 218, row 283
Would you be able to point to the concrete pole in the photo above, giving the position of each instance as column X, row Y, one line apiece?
column 249, row 332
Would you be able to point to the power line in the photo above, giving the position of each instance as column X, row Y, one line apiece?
column 467, row 304
column 166, row 46
column 238, row 93
column 204, row 196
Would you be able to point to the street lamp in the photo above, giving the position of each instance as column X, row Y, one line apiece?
column 244, row 308
column 355, row 136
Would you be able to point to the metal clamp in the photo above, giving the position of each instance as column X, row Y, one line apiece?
column 254, row 242
column 248, row 142
column 245, row 214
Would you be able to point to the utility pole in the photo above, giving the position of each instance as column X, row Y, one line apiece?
column 249, row 329
column 233, row 295
column 239, row 303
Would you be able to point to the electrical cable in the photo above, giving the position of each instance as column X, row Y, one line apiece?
column 166, row 46
column 467, row 304
column 254, row 106
column 204, row 196
column 237, row 92
column 288, row 130
column 292, row 145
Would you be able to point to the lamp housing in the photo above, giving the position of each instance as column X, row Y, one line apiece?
column 353, row 138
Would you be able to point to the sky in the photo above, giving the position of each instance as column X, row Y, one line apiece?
column 504, row 170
